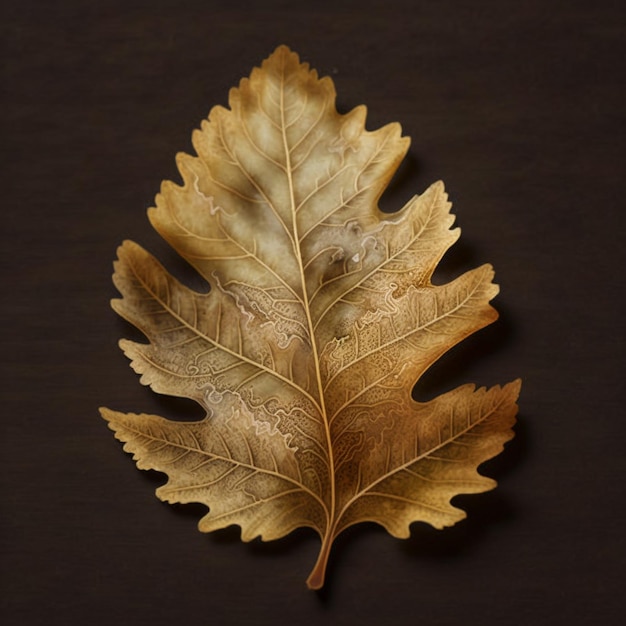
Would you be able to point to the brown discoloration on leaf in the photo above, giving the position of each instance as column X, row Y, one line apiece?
column 320, row 319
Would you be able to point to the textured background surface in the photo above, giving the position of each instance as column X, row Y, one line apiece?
column 517, row 106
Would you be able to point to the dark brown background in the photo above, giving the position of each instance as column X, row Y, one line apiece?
column 516, row 105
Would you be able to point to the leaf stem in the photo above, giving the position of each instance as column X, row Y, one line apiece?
column 318, row 573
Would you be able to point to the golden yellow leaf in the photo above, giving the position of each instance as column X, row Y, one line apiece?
column 320, row 319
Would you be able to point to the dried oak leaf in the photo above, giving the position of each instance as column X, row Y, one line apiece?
column 320, row 319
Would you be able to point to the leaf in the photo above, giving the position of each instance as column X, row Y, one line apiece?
column 320, row 319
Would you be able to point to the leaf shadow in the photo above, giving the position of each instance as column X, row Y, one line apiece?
column 402, row 185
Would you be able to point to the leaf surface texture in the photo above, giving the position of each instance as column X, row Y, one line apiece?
column 320, row 319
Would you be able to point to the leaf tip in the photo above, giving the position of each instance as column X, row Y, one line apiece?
column 283, row 49
column 126, row 247
column 116, row 305
column 108, row 416
column 104, row 412
column 513, row 389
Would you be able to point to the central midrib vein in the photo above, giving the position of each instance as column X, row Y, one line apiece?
column 305, row 298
